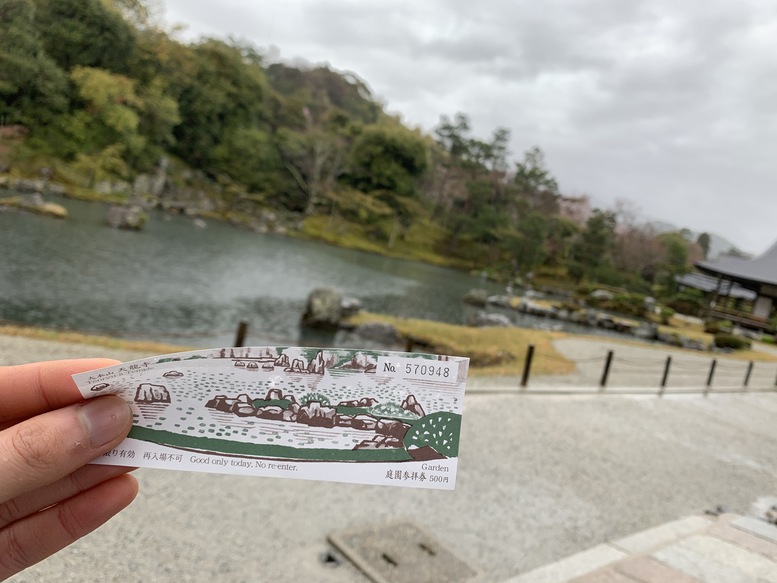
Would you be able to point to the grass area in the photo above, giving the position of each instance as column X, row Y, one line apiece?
column 492, row 351
column 418, row 243
column 90, row 339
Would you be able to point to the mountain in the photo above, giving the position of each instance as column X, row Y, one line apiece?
column 718, row 245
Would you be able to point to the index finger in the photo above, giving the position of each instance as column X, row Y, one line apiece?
column 31, row 389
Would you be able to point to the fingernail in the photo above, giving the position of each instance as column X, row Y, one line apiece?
column 105, row 419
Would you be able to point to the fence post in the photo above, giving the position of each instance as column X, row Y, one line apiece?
column 527, row 367
column 665, row 378
column 240, row 337
column 710, row 377
column 606, row 371
column 748, row 373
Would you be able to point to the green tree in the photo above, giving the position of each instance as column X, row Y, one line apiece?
column 224, row 88
column 87, row 33
column 388, row 158
column 32, row 87
column 535, row 182
column 594, row 249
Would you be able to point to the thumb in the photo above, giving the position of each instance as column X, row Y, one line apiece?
column 47, row 447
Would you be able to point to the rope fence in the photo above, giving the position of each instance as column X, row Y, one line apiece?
column 674, row 374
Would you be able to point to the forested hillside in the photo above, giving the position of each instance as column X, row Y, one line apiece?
column 98, row 91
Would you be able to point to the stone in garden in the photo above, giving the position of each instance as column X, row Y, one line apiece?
column 379, row 332
column 484, row 319
column 126, row 217
column 476, row 297
column 324, row 309
column 364, row 423
column 392, row 428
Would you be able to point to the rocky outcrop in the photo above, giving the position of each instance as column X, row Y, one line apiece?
column 316, row 415
column 395, row 429
column 379, row 442
column 378, row 332
column 476, row 297
column 126, row 217
column 424, row 454
column 411, row 404
column 485, row 319
column 364, row 422
column 388, row 432
column 361, row 361
column 272, row 412
column 349, row 307
column 273, row 395
column 149, row 393
column 317, row 365
column 364, row 402
column 323, row 309
column 297, row 365
column 282, row 360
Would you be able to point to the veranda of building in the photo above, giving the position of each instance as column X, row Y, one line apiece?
column 758, row 275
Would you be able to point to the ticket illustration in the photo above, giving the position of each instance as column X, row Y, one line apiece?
column 360, row 416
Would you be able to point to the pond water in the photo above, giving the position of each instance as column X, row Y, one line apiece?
column 178, row 283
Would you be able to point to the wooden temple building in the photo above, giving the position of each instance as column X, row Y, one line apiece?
column 759, row 275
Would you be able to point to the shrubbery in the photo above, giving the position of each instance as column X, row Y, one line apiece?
column 715, row 326
column 439, row 431
column 726, row 340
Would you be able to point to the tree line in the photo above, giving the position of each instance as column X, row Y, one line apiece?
column 102, row 87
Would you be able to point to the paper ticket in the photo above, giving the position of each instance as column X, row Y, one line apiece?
column 360, row 416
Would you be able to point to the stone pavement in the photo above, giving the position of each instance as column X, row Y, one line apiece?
column 727, row 549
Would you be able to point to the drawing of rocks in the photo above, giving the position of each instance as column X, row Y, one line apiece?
column 424, row 454
column 173, row 374
column 395, row 429
column 270, row 412
column 100, row 387
column 242, row 406
column 148, row 393
column 364, row 402
column 282, row 360
column 364, row 422
column 344, row 420
column 361, row 361
column 317, row 365
column 379, row 442
column 273, row 395
column 315, row 415
column 411, row 404
column 297, row 365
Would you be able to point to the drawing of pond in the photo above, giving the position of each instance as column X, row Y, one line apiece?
column 186, row 414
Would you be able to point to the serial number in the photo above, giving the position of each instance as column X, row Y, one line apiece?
column 428, row 370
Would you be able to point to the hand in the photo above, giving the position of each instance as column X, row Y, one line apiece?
column 49, row 497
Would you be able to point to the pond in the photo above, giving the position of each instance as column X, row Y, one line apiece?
column 175, row 282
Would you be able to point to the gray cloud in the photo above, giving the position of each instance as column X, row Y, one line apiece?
column 671, row 104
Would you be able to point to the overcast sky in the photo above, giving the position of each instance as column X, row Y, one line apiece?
column 669, row 103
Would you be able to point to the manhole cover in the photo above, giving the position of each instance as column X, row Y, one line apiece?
column 400, row 553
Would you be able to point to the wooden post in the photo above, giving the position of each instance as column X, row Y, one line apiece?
column 665, row 378
column 606, row 371
column 710, row 377
column 409, row 345
column 240, row 337
column 527, row 367
column 748, row 373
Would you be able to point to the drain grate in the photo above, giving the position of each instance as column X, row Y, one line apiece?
column 401, row 552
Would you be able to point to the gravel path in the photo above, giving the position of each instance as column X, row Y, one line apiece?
column 541, row 477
